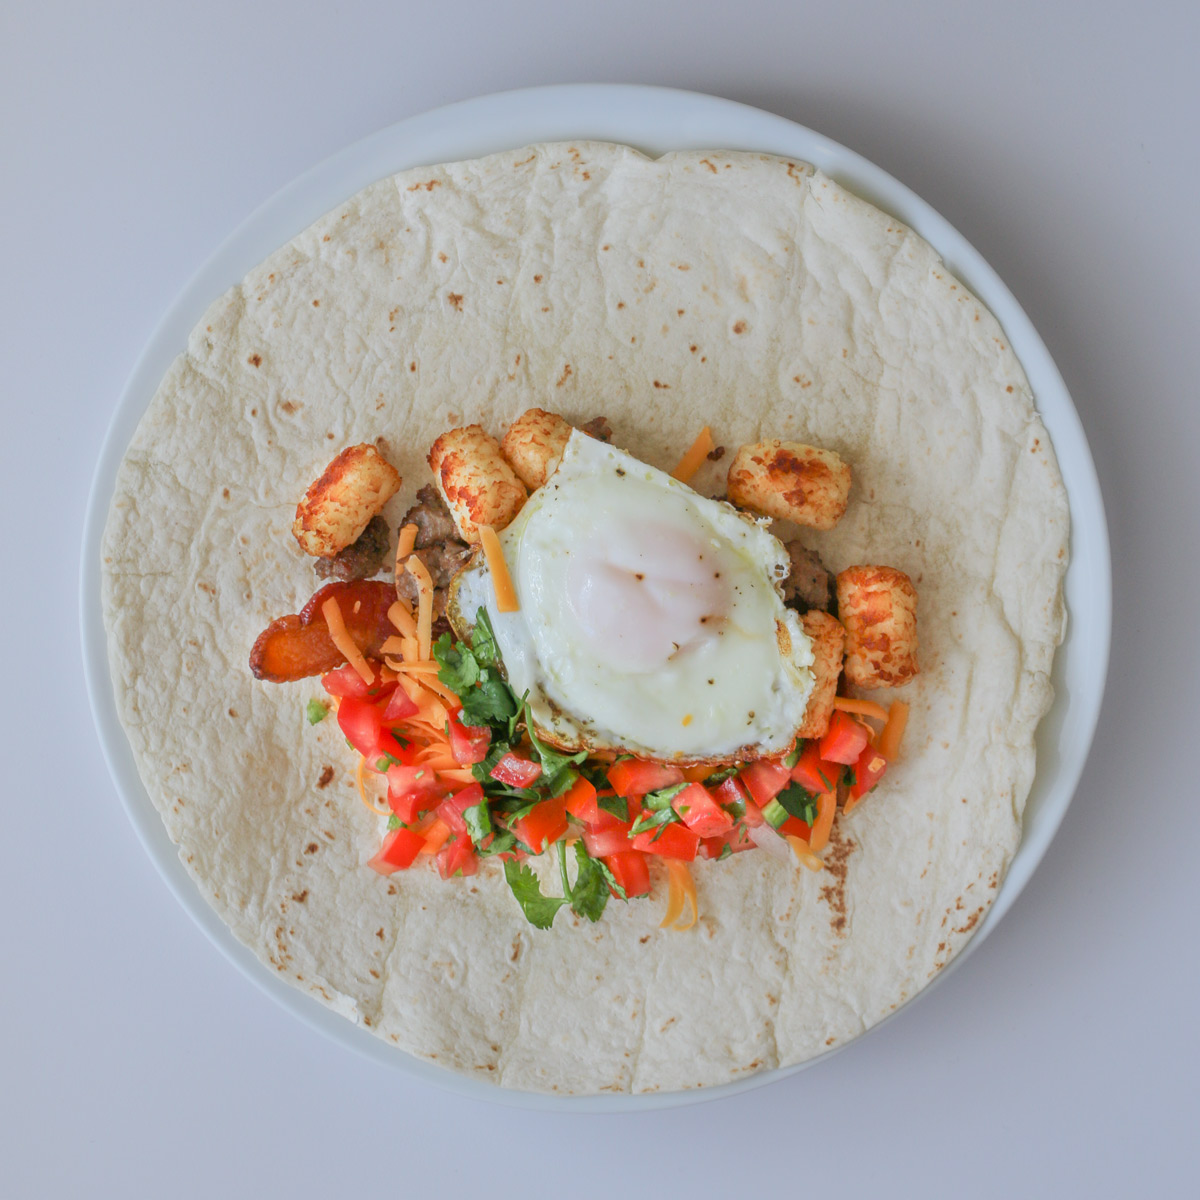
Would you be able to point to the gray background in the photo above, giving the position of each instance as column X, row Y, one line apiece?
column 1062, row 140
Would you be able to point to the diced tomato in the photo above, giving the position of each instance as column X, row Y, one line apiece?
column 400, row 707
column 844, row 740
column 468, row 743
column 632, row 777
column 360, row 722
column 674, row 841
column 867, row 772
column 736, row 839
column 753, row 817
column 518, row 771
column 346, row 681
column 581, row 801
column 613, row 839
column 796, row 827
column 408, row 802
column 452, row 808
column 389, row 744
column 764, row 780
column 631, row 871
column 399, row 849
column 544, row 825
column 730, row 792
column 813, row 773
column 457, row 856
column 700, row 812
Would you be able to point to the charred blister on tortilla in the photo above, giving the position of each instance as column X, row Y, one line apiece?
column 878, row 607
column 339, row 505
column 478, row 486
column 790, row 482
column 533, row 445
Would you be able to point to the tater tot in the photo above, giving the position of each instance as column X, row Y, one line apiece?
column 533, row 445
column 339, row 506
column 479, row 487
column 828, row 642
column 790, row 482
column 878, row 607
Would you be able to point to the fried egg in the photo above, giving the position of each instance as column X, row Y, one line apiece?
column 650, row 618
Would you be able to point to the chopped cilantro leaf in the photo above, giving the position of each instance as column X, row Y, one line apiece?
column 617, row 805
column 589, row 895
column 720, row 776
column 488, row 704
column 654, row 820
column 316, row 711
column 794, row 756
column 655, row 801
column 394, row 822
column 798, row 803
column 458, row 668
column 539, row 910
column 726, row 851
column 479, row 823
column 498, row 845
column 483, row 640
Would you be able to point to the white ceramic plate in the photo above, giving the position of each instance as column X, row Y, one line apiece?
column 654, row 120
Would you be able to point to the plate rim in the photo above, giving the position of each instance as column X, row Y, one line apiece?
column 656, row 119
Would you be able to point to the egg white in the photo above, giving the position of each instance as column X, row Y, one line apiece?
column 647, row 673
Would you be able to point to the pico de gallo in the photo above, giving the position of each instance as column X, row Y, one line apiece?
column 461, row 775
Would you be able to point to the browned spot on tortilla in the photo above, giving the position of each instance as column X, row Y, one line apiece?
column 971, row 921
column 740, row 327
column 312, row 847
column 644, row 938
column 316, row 304
column 566, row 374
column 374, row 973
column 659, row 384
column 255, row 360
column 233, row 712
column 709, row 165
column 834, row 893
column 716, row 454
column 456, row 300
column 254, row 412
column 379, row 933
column 300, row 897
column 620, row 303
column 326, row 777
column 416, row 187
column 537, row 279
column 288, row 406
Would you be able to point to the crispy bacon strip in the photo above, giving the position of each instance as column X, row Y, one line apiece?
column 299, row 645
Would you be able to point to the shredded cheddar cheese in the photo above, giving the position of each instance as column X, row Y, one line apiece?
column 506, row 594
column 893, row 731
column 401, row 617
column 420, row 572
column 804, row 853
column 691, row 462
column 362, row 791
column 863, row 708
column 681, row 886
column 826, row 810
column 406, row 542
column 340, row 636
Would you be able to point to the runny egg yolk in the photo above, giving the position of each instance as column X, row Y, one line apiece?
column 644, row 592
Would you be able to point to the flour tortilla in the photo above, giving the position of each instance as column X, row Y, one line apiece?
column 737, row 290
